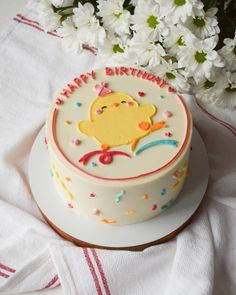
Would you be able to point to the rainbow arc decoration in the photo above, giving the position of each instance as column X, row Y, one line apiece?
column 106, row 157
column 171, row 142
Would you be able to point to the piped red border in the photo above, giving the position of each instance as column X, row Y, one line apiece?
column 55, row 112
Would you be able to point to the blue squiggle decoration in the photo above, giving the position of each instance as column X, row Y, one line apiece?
column 156, row 142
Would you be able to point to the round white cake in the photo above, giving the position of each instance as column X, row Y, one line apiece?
column 119, row 141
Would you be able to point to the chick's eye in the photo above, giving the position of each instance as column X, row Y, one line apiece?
column 103, row 107
column 123, row 101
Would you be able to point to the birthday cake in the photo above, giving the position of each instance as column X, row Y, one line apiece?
column 119, row 142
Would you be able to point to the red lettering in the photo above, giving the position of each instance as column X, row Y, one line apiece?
column 65, row 92
column 84, row 78
column 77, row 81
column 117, row 71
column 132, row 71
column 92, row 75
column 140, row 73
column 150, row 77
column 163, row 84
column 72, row 87
column 123, row 70
column 109, row 71
column 157, row 80
column 144, row 75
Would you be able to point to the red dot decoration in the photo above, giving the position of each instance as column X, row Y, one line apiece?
column 154, row 207
column 168, row 134
column 92, row 195
column 141, row 93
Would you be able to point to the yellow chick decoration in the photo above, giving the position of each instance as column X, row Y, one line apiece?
column 117, row 119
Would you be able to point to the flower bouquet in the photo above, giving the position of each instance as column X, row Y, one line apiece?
column 189, row 43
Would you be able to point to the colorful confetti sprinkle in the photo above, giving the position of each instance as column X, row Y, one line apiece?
column 96, row 211
column 93, row 164
column 167, row 114
column 130, row 212
column 145, row 197
column 166, row 206
column 163, row 192
column 92, row 195
column 70, row 205
column 176, row 175
column 68, row 122
column 154, row 207
column 109, row 221
column 78, row 104
column 51, row 173
column 119, row 196
column 162, row 96
column 68, row 178
column 76, row 141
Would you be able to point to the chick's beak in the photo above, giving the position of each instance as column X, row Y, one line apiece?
column 115, row 104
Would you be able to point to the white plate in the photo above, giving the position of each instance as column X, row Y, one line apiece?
column 114, row 235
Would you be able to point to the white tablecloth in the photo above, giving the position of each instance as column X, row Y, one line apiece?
column 201, row 260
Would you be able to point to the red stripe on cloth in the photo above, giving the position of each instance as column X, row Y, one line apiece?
column 92, row 270
column 4, row 275
column 226, row 125
column 27, row 19
column 100, row 268
column 37, row 27
column 51, row 282
column 29, row 24
column 54, row 34
column 92, row 50
column 7, row 268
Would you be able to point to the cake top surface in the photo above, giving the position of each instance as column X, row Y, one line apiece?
column 118, row 124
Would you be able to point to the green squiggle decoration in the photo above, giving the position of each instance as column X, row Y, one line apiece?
column 156, row 142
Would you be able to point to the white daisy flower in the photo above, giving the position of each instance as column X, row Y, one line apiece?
column 70, row 40
column 178, row 10
column 112, row 48
column 147, row 20
column 221, row 90
column 127, row 58
column 170, row 72
column 148, row 53
column 227, row 99
column 48, row 18
column 204, row 26
column 228, row 52
column 89, row 30
column 62, row 3
column 199, row 58
column 175, row 41
column 115, row 18
column 208, row 89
